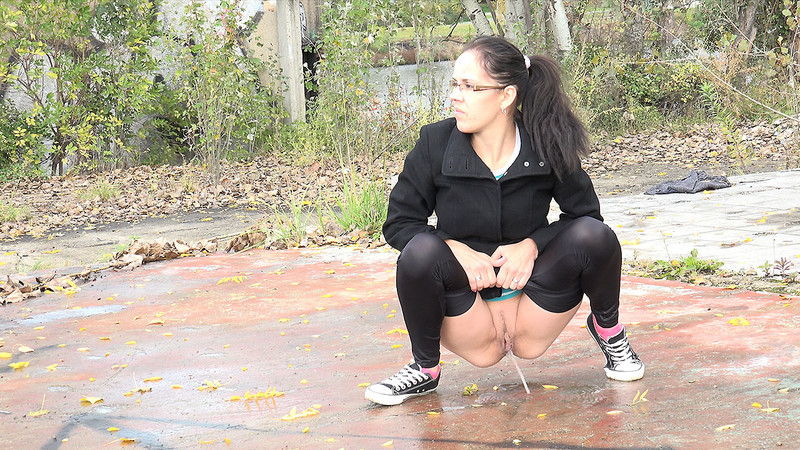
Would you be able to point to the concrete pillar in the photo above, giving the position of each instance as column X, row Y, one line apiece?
column 290, row 57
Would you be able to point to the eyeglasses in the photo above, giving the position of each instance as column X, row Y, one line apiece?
column 469, row 87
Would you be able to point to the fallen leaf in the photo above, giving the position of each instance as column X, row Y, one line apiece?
column 5, row 355
column 156, row 322
column 38, row 413
column 293, row 414
column 130, row 343
column 725, row 427
column 614, row 412
column 549, row 386
column 541, row 416
column 152, row 379
column 112, row 429
column 91, row 400
column 51, row 367
column 19, row 365
column 24, row 349
column 738, row 321
column 388, row 444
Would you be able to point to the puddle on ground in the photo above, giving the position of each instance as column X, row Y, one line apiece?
column 72, row 313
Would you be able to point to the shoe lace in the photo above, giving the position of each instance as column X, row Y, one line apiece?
column 407, row 377
column 620, row 351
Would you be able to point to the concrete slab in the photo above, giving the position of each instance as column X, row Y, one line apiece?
column 318, row 324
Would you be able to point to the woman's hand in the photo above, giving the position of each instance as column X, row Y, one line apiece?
column 477, row 265
column 515, row 262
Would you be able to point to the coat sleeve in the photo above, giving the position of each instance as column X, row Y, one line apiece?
column 413, row 198
column 576, row 198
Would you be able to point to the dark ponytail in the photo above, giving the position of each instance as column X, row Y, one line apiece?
column 547, row 116
column 556, row 132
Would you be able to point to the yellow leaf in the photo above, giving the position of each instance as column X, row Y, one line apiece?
column 112, row 429
column 19, row 365
column 51, row 367
column 206, row 442
column 770, row 410
column 306, row 429
column 127, row 440
column 38, row 328
column 773, row 380
column 327, row 295
column 738, row 321
column 433, row 413
column 130, row 343
column 24, row 349
column 549, row 386
column 387, row 444
column 152, row 379
column 397, row 330
column 168, row 334
column 397, row 345
column 38, row 413
column 235, row 398
column 52, row 252
column 541, row 416
column 363, row 384
column 156, row 322
column 627, row 242
column 227, row 441
column 177, row 386
column 5, row 355
column 105, row 338
column 726, row 427
column 614, row 412
column 330, row 272
column 83, row 349
column 91, row 400
column 283, row 320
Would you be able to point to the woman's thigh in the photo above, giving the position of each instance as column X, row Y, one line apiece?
column 536, row 329
column 484, row 333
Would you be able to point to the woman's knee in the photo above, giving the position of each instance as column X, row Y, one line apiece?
column 588, row 232
column 424, row 250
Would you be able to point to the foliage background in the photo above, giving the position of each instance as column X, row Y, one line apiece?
column 98, row 96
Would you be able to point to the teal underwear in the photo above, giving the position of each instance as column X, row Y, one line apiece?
column 507, row 294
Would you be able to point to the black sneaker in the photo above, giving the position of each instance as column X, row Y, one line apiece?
column 409, row 382
column 621, row 361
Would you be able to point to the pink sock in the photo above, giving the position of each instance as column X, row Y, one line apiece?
column 432, row 371
column 607, row 333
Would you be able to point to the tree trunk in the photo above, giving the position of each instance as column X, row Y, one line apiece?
column 559, row 25
column 477, row 17
column 519, row 23
column 747, row 28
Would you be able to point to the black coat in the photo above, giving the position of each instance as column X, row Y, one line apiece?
column 442, row 173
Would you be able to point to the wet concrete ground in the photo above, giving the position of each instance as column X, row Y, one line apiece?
column 316, row 325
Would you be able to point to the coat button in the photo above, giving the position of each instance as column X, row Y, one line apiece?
column 526, row 164
column 541, row 163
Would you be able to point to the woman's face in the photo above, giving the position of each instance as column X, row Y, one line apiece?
column 474, row 110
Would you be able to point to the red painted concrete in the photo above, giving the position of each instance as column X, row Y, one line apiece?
column 315, row 324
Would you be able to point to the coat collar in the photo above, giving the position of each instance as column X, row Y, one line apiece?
column 460, row 159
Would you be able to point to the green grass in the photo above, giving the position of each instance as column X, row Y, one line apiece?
column 463, row 31
column 11, row 213
column 103, row 190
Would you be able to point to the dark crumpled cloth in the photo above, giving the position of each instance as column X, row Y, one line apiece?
column 696, row 181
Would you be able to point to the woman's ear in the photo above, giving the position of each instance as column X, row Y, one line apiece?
column 509, row 97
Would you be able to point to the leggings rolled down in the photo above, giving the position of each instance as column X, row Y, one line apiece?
column 584, row 258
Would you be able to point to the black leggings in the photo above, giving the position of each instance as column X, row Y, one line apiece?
column 585, row 257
